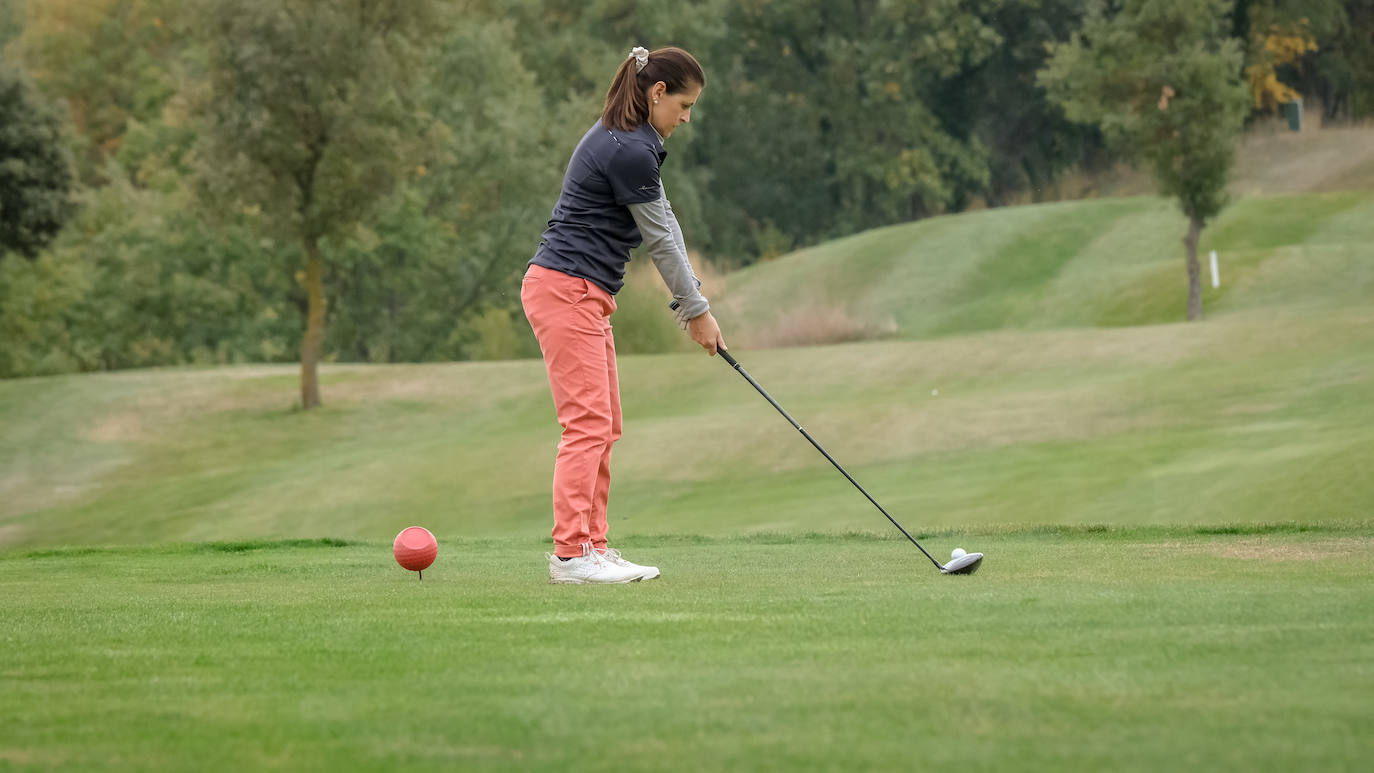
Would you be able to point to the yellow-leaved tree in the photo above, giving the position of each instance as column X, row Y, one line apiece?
column 1271, row 47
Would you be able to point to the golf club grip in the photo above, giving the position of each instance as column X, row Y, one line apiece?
column 675, row 305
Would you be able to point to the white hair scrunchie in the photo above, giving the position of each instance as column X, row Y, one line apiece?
column 641, row 56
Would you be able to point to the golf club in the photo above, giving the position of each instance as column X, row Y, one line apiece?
column 965, row 564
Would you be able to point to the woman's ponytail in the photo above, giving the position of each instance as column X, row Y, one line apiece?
column 626, row 105
column 627, row 101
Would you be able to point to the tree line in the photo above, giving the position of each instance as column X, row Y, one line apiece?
column 221, row 181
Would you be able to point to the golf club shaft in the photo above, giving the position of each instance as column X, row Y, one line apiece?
column 732, row 363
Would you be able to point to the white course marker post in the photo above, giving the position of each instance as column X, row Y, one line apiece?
column 1216, row 278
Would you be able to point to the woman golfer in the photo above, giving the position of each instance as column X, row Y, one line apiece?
column 612, row 200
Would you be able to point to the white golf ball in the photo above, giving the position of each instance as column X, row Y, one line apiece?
column 957, row 553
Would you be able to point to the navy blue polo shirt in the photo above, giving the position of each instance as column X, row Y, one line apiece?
column 591, row 232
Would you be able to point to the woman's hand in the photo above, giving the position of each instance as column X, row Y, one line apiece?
column 706, row 332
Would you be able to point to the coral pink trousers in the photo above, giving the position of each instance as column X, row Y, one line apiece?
column 571, row 318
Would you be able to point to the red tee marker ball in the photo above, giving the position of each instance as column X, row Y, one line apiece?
column 415, row 548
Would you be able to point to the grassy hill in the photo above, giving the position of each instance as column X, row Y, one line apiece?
column 1030, row 372
column 1178, row 520
column 1270, row 160
column 1099, row 263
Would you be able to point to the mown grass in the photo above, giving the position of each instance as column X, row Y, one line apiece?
column 1031, row 370
column 1112, row 262
column 1073, row 649
column 1248, row 417
column 1177, row 518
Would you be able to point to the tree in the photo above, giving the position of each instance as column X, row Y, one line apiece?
column 311, row 123
column 1274, row 45
column 35, row 172
column 997, row 100
column 11, row 20
column 1321, row 49
column 450, row 248
column 111, row 61
column 1162, row 79
column 862, row 112
column 836, row 101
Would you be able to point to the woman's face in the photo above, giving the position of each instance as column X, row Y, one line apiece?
column 667, row 111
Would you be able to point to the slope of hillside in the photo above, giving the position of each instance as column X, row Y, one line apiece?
column 1100, row 263
column 1270, row 161
column 1255, row 416
column 1016, row 366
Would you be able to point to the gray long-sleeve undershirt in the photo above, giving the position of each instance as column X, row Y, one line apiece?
column 663, row 239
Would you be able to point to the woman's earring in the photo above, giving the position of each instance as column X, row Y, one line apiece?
column 655, row 101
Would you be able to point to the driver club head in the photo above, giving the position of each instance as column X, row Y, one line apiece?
column 965, row 564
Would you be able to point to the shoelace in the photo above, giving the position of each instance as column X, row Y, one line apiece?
column 595, row 555
column 612, row 555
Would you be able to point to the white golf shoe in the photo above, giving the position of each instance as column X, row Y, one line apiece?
column 592, row 568
column 613, row 556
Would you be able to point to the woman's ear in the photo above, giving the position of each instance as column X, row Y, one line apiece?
column 657, row 91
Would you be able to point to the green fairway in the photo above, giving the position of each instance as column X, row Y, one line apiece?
column 1248, row 418
column 1078, row 649
column 1083, row 289
column 1179, row 520
column 1030, row 369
